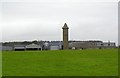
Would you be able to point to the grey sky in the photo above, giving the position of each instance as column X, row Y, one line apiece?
column 43, row 19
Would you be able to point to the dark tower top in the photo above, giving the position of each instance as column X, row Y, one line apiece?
column 65, row 26
column 65, row 37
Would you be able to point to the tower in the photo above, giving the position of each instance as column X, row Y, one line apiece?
column 65, row 36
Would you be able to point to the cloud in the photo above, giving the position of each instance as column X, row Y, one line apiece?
column 44, row 20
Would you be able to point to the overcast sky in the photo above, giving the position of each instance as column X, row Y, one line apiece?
column 44, row 19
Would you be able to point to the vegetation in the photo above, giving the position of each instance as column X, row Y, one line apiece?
column 97, row 62
column 0, row 63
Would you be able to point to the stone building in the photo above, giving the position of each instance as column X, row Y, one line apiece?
column 91, row 45
column 65, row 36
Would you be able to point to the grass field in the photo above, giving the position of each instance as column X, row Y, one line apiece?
column 95, row 62
column 0, row 63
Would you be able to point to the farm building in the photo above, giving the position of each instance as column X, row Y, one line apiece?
column 46, row 46
column 91, row 44
column 19, row 47
column 55, row 45
column 7, row 48
column 33, row 47
column 0, row 46
column 84, row 44
column 109, row 45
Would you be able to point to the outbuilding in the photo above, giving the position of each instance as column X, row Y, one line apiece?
column 55, row 45
column 19, row 47
column 7, row 48
column 33, row 47
column 0, row 46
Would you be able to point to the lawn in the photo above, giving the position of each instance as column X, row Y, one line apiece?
column 0, row 63
column 103, row 62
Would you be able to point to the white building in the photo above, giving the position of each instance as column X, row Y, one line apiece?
column 33, row 47
column 54, row 47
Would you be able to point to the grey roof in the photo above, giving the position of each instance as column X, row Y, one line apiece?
column 55, row 43
column 20, row 46
column 33, row 46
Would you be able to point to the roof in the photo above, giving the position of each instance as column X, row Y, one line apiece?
column 55, row 43
column 33, row 46
column 65, row 26
column 20, row 45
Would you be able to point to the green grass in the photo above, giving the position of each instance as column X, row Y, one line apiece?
column 0, row 63
column 95, row 62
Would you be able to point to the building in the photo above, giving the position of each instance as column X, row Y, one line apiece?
column 19, row 47
column 7, row 48
column 108, row 45
column 65, row 36
column 46, row 46
column 33, row 47
column 91, row 45
column 0, row 46
column 55, row 45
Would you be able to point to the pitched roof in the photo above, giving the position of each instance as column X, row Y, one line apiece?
column 33, row 46
column 65, row 26
column 20, row 45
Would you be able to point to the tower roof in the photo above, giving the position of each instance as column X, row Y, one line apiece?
column 65, row 26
